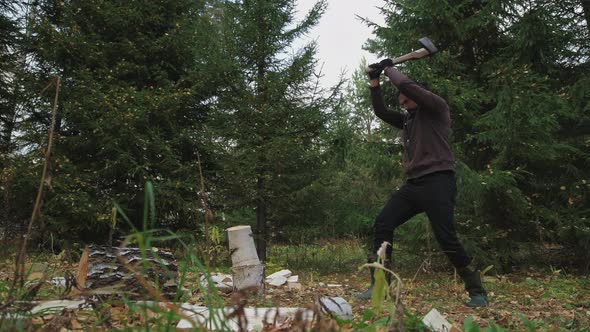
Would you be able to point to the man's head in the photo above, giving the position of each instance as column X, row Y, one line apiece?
column 408, row 103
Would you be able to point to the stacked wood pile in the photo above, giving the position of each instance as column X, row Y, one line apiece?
column 128, row 272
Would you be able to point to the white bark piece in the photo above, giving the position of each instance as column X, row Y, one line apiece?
column 256, row 317
column 336, row 306
column 293, row 279
column 436, row 321
column 294, row 286
column 277, row 281
column 223, row 282
column 59, row 282
column 56, row 306
column 281, row 273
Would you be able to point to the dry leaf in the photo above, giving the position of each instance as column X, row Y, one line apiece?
column 76, row 325
column 36, row 276
column 82, row 269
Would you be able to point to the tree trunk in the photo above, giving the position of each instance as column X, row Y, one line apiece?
column 261, row 227
column 123, row 271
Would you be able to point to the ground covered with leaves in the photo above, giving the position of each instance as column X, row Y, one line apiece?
column 528, row 300
column 531, row 300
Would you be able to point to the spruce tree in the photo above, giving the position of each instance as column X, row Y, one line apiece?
column 137, row 80
column 362, row 162
column 13, row 98
column 513, row 74
column 272, row 116
column 9, row 44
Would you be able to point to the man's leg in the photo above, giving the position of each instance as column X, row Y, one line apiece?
column 438, row 203
column 399, row 209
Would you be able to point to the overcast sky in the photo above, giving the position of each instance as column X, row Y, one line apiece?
column 340, row 35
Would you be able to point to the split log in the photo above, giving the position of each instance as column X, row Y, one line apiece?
column 124, row 272
column 247, row 270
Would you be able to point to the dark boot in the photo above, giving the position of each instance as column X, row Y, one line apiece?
column 366, row 295
column 472, row 279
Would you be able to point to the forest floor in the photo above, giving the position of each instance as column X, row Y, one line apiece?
column 532, row 299
column 525, row 301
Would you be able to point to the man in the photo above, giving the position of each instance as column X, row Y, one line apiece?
column 429, row 166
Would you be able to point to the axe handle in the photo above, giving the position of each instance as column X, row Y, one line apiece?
column 417, row 54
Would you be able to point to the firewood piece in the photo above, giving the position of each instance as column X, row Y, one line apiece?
column 247, row 270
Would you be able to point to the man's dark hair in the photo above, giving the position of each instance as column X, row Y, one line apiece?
column 420, row 83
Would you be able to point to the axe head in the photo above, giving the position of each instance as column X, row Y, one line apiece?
column 428, row 45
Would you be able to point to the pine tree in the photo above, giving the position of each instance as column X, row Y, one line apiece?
column 137, row 81
column 9, row 38
column 12, row 100
column 272, row 116
column 513, row 74
column 362, row 163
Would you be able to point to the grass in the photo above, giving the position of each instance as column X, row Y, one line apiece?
column 324, row 257
column 530, row 300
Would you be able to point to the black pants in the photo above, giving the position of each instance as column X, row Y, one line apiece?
column 434, row 194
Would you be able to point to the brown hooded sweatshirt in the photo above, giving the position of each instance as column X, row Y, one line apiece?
column 425, row 130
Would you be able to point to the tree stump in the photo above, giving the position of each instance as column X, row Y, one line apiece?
column 124, row 272
column 248, row 272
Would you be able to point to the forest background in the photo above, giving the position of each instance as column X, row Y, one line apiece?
column 211, row 102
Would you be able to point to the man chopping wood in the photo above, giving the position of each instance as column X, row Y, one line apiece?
column 430, row 169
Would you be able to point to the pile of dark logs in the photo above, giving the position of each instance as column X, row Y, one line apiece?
column 128, row 272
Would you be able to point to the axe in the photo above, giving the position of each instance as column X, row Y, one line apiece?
column 428, row 49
